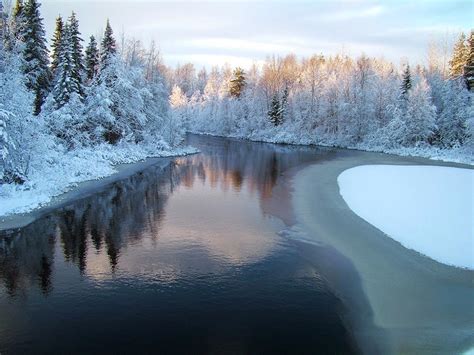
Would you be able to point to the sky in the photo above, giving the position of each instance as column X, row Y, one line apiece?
column 209, row 33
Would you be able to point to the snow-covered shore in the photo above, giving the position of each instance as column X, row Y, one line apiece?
column 461, row 155
column 425, row 208
column 66, row 172
column 414, row 300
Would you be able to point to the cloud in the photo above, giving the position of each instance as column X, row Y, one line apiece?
column 344, row 15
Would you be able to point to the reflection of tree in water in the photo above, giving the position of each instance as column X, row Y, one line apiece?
column 26, row 258
column 125, row 212
column 133, row 208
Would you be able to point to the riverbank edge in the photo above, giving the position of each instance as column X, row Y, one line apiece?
column 434, row 154
column 85, row 189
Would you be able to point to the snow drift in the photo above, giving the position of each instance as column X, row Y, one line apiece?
column 426, row 208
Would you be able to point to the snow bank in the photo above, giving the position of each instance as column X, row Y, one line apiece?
column 426, row 208
column 59, row 172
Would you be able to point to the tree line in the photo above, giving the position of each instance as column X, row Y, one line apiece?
column 71, row 97
column 334, row 100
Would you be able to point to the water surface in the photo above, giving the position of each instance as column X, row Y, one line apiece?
column 188, row 258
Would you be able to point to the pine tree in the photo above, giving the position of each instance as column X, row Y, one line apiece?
column 275, row 111
column 459, row 58
column 92, row 58
column 469, row 66
column 108, row 46
column 56, row 44
column 35, row 54
column 406, row 83
column 237, row 83
column 78, row 68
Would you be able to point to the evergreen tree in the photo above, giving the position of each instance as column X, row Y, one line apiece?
column 35, row 54
column 237, row 83
column 284, row 104
column 469, row 66
column 92, row 58
column 56, row 44
column 275, row 111
column 3, row 28
column 108, row 46
column 76, row 54
column 459, row 58
column 67, row 83
column 406, row 83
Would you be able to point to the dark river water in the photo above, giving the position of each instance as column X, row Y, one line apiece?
column 186, row 258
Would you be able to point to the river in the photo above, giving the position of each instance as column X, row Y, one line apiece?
column 211, row 254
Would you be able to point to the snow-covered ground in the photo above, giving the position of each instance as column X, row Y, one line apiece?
column 426, row 208
column 61, row 171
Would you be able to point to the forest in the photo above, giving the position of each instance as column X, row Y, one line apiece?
column 72, row 109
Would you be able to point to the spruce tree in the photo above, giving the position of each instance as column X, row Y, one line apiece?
column 66, row 84
column 284, row 104
column 459, row 58
column 35, row 54
column 469, row 66
column 237, row 83
column 92, row 58
column 56, row 44
column 75, row 40
column 406, row 83
column 275, row 111
column 108, row 46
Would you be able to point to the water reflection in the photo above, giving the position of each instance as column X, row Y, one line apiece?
column 190, row 248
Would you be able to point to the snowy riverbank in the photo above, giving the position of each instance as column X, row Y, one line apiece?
column 62, row 172
column 426, row 208
column 460, row 155
column 414, row 300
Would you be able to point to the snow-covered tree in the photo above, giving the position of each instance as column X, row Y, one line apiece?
column 108, row 48
column 177, row 97
column 56, row 44
column 92, row 58
column 459, row 57
column 274, row 114
column 67, row 81
column 237, row 82
column 421, row 115
column 469, row 65
column 453, row 114
column 78, row 69
column 406, row 83
column 35, row 53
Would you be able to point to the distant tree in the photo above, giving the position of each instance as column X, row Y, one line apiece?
column 108, row 46
column 284, row 104
column 237, row 83
column 469, row 65
column 177, row 97
column 56, row 44
column 406, row 83
column 453, row 114
column 92, row 58
column 421, row 115
column 274, row 114
column 35, row 53
column 459, row 57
